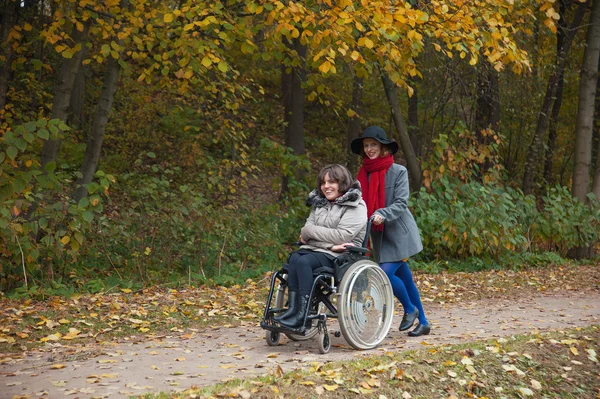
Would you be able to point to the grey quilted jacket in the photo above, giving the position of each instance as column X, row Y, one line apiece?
column 337, row 222
column 400, row 237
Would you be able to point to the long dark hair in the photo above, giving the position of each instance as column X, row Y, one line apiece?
column 338, row 173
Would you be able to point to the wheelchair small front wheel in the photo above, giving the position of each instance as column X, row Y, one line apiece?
column 272, row 338
column 324, row 341
column 366, row 305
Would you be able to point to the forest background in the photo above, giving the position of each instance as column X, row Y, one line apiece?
column 174, row 142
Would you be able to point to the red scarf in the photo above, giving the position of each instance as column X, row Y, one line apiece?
column 373, row 189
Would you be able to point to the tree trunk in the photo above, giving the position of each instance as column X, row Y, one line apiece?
column 596, row 144
column 487, row 113
column 585, row 114
column 596, row 184
column 552, row 131
column 413, row 118
column 94, row 141
column 413, row 165
column 77, row 103
column 353, row 130
column 62, row 94
column 293, row 106
column 8, row 19
column 542, row 123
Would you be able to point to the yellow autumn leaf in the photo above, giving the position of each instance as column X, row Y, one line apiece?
column 57, row 366
column 574, row 351
column 168, row 18
column 73, row 333
column 331, row 388
column 4, row 338
column 51, row 337
column 325, row 67
column 65, row 240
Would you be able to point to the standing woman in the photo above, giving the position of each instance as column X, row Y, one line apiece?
column 394, row 234
column 338, row 218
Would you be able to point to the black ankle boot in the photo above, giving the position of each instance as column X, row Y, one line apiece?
column 408, row 320
column 296, row 320
column 292, row 301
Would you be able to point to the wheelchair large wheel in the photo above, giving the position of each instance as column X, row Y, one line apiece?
column 366, row 305
column 280, row 301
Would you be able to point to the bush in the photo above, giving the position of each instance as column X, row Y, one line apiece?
column 462, row 220
column 40, row 225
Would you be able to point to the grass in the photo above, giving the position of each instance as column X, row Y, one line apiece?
column 560, row 364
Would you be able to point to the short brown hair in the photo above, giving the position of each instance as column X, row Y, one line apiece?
column 338, row 173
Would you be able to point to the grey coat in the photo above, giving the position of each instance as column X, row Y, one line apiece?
column 400, row 237
column 337, row 222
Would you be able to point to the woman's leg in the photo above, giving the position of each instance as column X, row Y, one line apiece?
column 303, row 267
column 400, row 292
column 293, row 271
column 404, row 273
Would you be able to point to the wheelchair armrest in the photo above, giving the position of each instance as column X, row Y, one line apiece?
column 358, row 250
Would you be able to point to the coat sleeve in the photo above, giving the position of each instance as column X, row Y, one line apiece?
column 351, row 223
column 399, row 203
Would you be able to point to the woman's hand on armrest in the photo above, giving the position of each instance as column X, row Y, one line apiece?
column 341, row 247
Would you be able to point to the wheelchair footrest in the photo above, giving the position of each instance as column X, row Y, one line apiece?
column 279, row 328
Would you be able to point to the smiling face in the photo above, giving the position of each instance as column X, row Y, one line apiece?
column 372, row 148
column 330, row 188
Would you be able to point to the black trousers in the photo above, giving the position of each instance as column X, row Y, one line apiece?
column 300, row 268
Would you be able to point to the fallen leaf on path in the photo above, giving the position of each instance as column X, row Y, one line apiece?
column 57, row 366
column 526, row 391
column 536, row 384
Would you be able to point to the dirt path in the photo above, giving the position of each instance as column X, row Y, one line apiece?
column 172, row 363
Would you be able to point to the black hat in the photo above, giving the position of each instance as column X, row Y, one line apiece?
column 376, row 133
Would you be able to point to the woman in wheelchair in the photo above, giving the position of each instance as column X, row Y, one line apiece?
column 337, row 219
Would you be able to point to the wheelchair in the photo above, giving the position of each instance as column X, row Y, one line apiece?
column 355, row 291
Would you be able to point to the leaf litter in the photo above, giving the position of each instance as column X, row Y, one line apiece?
column 89, row 326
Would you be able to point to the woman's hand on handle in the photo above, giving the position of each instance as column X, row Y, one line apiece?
column 377, row 219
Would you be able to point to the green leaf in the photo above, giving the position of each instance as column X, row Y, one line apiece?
column 6, row 192
column 50, row 167
column 44, row 134
column 21, row 144
column 18, row 185
column 151, row 155
column 83, row 203
column 30, row 126
column 29, row 137
column 41, row 123
column 88, row 216
column 37, row 64
column 12, row 152
column 43, row 223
